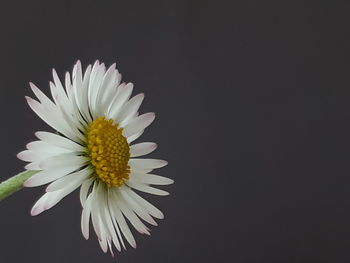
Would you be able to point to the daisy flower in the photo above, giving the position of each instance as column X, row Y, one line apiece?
column 96, row 124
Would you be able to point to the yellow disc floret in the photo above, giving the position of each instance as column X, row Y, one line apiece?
column 109, row 151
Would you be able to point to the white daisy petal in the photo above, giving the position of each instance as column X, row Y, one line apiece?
column 35, row 154
column 117, row 214
column 147, row 163
column 138, row 124
column 47, row 149
column 139, row 210
column 103, row 244
column 95, row 218
column 41, row 96
column 114, row 221
column 94, row 85
column 74, row 178
column 39, row 205
column 105, row 237
column 29, row 156
column 146, row 178
column 134, row 137
column 85, row 91
column 145, row 188
column 130, row 108
column 106, row 216
column 105, row 92
column 34, row 166
column 130, row 215
column 142, row 148
column 84, row 190
column 59, row 195
column 85, row 217
column 111, row 91
column 151, row 209
column 68, row 86
column 61, row 99
column 123, row 94
column 69, row 161
column 47, row 176
column 77, row 83
column 52, row 118
column 59, row 141
column 48, row 200
column 58, row 83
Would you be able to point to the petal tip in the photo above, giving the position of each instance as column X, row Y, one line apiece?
column 35, row 211
column 19, row 155
column 26, row 183
column 163, row 163
column 85, row 235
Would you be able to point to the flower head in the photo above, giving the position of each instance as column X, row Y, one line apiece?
column 96, row 124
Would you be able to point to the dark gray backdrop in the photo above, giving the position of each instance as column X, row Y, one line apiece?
column 253, row 115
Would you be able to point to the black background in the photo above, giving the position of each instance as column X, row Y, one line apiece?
column 252, row 103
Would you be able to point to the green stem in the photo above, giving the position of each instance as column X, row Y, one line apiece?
column 14, row 183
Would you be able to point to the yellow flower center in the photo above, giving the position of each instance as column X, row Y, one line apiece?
column 109, row 151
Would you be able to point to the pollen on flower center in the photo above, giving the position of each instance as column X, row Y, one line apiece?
column 109, row 151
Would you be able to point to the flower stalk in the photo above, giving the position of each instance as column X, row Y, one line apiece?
column 14, row 184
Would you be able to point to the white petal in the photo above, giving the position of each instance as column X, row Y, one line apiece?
column 139, row 124
column 151, row 209
column 32, row 166
column 29, row 156
column 39, row 151
column 85, row 218
column 84, row 99
column 97, row 72
column 142, row 148
column 77, row 83
column 68, row 85
column 84, row 190
column 123, row 94
column 53, row 118
column 151, row 178
column 57, row 162
column 92, row 91
column 39, row 205
column 129, row 119
column 145, row 188
column 107, row 219
column 111, row 203
column 107, row 89
column 147, row 163
column 74, row 178
column 130, row 108
column 51, row 109
column 103, row 244
column 105, row 237
column 50, row 175
column 61, row 99
column 115, row 211
column 59, row 141
column 134, row 137
column 56, row 79
column 95, row 211
column 134, row 206
column 60, row 96
column 48, row 200
column 41, row 96
column 47, row 149
column 130, row 215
